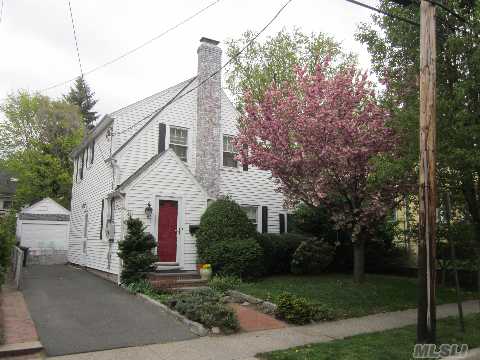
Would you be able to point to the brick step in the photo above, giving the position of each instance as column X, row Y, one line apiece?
column 173, row 275
column 172, row 283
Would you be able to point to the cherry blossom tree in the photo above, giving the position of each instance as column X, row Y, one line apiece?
column 326, row 141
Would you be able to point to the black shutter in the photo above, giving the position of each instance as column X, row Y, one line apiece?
column 101, row 219
column 289, row 222
column 162, row 131
column 245, row 166
column 264, row 219
column 92, row 155
column 281, row 218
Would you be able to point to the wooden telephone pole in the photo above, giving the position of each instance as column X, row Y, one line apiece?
column 426, row 322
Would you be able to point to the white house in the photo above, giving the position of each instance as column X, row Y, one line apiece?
column 44, row 229
column 168, row 154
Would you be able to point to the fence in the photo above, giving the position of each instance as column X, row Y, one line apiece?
column 17, row 266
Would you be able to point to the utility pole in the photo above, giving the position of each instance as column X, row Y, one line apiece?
column 426, row 321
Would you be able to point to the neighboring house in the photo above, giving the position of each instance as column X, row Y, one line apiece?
column 163, row 163
column 44, row 228
column 7, row 191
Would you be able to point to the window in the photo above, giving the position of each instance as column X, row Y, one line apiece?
column 7, row 204
column 76, row 168
column 251, row 212
column 85, row 226
column 82, row 164
column 179, row 142
column 92, row 151
column 229, row 152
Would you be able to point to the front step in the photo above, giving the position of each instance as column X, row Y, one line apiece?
column 169, row 283
column 175, row 279
column 166, row 266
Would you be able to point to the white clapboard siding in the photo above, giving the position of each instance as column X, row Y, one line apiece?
column 96, row 184
column 169, row 178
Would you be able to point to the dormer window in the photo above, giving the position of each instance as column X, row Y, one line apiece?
column 179, row 141
column 229, row 152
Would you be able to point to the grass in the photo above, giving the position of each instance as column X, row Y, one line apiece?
column 388, row 345
column 380, row 293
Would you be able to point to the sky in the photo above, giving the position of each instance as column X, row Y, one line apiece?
column 38, row 49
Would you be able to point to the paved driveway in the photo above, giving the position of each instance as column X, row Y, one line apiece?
column 75, row 311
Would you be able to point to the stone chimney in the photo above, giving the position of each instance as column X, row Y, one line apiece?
column 207, row 162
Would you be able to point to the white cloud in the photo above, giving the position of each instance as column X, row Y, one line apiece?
column 37, row 48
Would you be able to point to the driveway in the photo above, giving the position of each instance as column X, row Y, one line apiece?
column 75, row 311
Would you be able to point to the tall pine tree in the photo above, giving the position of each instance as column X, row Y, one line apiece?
column 81, row 95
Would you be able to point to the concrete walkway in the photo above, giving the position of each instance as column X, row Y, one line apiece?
column 77, row 312
column 246, row 345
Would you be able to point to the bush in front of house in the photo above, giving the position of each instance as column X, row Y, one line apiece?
column 222, row 284
column 227, row 240
column 312, row 257
column 278, row 250
column 236, row 257
column 136, row 252
column 224, row 219
column 206, row 307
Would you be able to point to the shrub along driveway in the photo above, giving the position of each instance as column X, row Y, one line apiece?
column 75, row 311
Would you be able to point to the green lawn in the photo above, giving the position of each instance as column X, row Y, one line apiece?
column 380, row 293
column 388, row 345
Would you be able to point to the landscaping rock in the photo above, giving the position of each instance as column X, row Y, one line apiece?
column 216, row 330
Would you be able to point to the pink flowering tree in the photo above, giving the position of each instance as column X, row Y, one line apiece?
column 325, row 139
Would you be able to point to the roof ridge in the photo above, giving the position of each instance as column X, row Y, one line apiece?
column 152, row 96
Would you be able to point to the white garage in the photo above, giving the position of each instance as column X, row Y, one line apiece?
column 43, row 228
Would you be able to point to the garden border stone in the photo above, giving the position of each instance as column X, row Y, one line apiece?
column 193, row 326
column 266, row 306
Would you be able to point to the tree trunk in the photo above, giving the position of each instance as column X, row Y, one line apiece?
column 359, row 260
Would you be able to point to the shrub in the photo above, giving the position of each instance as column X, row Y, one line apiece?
column 136, row 252
column 242, row 258
column 7, row 241
column 206, row 307
column 278, row 250
column 224, row 283
column 312, row 256
column 224, row 219
column 294, row 309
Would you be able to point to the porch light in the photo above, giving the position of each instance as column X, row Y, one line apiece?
column 149, row 211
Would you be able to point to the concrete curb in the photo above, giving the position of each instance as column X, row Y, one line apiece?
column 18, row 349
column 193, row 326
column 265, row 306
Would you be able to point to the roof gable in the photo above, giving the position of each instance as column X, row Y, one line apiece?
column 155, row 161
column 46, row 206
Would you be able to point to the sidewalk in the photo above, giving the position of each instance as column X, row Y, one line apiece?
column 20, row 334
column 244, row 346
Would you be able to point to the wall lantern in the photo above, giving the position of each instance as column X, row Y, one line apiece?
column 149, row 211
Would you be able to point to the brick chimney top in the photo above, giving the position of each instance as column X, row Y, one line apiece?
column 209, row 41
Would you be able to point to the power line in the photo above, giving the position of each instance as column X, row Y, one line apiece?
column 393, row 16
column 178, row 96
column 447, row 9
column 129, row 52
column 76, row 40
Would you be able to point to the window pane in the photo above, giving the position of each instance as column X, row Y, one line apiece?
column 251, row 212
column 228, row 144
column 229, row 159
column 178, row 136
column 181, row 151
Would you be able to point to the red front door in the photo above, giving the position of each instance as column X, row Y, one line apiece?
column 167, row 231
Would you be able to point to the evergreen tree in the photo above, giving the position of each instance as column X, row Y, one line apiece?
column 136, row 252
column 81, row 95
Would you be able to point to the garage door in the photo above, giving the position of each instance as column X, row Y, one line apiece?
column 36, row 235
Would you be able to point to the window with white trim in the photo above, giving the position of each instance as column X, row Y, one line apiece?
column 252, row 214
column 179, row 141
column 229, row 152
